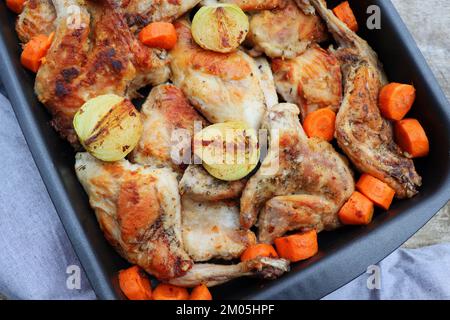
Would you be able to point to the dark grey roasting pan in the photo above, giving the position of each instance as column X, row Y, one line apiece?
column 343, row 255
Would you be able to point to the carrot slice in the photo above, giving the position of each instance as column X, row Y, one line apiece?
column 164, row 291
column 358, row 210
column 201, row 292
column 159, row 35
column 411, row 138
column 16, row 5
column 135, row 284
column 345, row 13
column 259, row 250
column 320, row 124
column 376, row 190
column 297, row 247
column 35, row 51
column 396, row 100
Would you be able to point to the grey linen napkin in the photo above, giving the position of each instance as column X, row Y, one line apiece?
column 35, row 253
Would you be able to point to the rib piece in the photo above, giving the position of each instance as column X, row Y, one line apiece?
column 312, row 80
column 212, row 230
column 199, row 185
column 284, row 32
column 223, row 87
column 37, row 17
column 96, row 56
column 138, row 209
column 301, row 184
column 168, row 120
column 362, row 133
column 214, row 274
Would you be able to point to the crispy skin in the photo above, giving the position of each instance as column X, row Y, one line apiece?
column 223, row 87
column 199, row 185
column 165, row 111
column 38, row 17
column 138, row 209
column 284, row 32
column 361, row 131
column 313, row 80
column 301, row 184
column 212, row 230
column 97, row 56
column 214, row 274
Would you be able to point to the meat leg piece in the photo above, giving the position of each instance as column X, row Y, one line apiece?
column 302, row 183
column 214, row 274
column 93, row 53
column 362, row 133
column 138, row 209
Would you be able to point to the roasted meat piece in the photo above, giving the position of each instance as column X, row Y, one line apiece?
column 139, row 210
column 312, row 80
column 212, row 230
column 199, row 185
column 284, row 32
column 168, row 120
column 223, row 87
column 302, row 183
column 96, row 55
column 364, row 135
column 37, row 17
column 215, row 274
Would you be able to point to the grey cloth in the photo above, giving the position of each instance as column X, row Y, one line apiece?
column 35, row 251
column 407, row 274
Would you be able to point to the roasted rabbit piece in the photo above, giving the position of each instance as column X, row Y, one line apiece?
column 312, row 80
column 212, row 230
column 138, row 209
column 199, row 185
column 139, row 13
column 361, row 132
column 38, row 16
column 302, row 183
column 213, row 274
column 284, row 32
column 168, row 120
column 223, row 87
column 97, row 55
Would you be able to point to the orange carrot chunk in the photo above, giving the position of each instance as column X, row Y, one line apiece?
column 159, row 35
column 358, row 210
column 259, row 250
column 411, row 138
column 297, row 247
column 135, row 284
column 35, row 51
column 201, row 292
column 376, row 190
column 164, row 291
column 16, row 5
column 345, row 13
column 396, row 100
column 320, row 124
